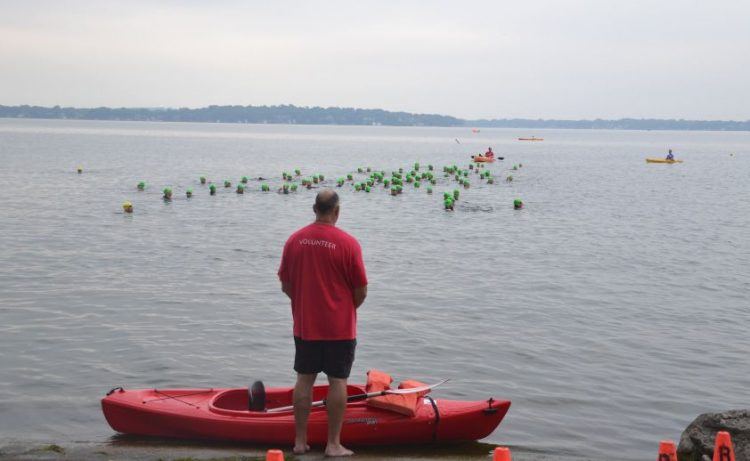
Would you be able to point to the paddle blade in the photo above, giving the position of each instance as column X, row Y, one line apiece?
column 415, row 390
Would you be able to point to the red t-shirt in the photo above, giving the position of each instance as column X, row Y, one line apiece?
column 323, row 265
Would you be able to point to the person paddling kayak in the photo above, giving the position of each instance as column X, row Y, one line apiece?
column 323, row 275
column 670, row 156
column 489, row 153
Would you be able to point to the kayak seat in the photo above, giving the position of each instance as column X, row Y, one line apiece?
column 256, row 396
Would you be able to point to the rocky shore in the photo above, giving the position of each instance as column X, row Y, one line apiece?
column 697, row 441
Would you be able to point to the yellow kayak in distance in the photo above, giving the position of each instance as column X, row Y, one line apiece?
column 661, row 160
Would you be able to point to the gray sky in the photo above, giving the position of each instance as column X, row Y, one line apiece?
column 471, row 59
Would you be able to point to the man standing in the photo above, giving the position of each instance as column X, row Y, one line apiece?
column 323, row 274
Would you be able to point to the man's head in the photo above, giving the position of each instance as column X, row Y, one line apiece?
column 326, row 206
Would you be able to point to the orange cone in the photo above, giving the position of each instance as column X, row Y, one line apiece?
column 667, row 451
column 275, row 455
column 502, row 454
column 723, row 450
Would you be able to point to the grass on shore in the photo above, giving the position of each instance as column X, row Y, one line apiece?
column 52, row 448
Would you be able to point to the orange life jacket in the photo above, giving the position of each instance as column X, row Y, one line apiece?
column 406, row 404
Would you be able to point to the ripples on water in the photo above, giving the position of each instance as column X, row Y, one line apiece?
column 611, row 311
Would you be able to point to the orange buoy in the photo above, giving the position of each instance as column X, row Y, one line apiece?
column 667, row 451
column 274, row 455
column 723, row 450
column 501, row 454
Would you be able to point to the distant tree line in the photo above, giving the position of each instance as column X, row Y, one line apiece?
column 239, row 114
column 620, row 124
column 348, row 116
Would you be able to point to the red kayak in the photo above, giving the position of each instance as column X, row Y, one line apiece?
column 482, row 159
column 223, row 414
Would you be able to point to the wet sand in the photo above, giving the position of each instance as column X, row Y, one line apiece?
column 138, row 449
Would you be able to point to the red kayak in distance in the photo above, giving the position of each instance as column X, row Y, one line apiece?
column 223, row 414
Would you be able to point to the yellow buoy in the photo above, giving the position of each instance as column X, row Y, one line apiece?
column 127, row 207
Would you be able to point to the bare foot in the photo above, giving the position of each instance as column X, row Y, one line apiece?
column 338, row 450
column 301, row 448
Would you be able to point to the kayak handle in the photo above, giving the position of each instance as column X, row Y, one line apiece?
column 112, row 391
column 490, row 410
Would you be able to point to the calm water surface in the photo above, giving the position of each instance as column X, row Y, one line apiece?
column 612, row 310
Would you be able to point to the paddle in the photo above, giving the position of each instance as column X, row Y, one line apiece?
column 357, row 397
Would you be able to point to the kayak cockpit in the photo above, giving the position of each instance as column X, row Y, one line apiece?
column 236, row 402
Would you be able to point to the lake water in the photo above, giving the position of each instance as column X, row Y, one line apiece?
column 612, row 310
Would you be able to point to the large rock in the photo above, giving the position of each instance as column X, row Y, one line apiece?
column 697, row 441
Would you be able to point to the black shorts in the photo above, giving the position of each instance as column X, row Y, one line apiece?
column 334, row 358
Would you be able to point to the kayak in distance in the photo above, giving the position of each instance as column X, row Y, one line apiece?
column 224, row 414
column 533, row 138
column 484, row 159
column 661, row 160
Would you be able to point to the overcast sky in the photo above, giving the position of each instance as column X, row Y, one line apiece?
column 494, row 59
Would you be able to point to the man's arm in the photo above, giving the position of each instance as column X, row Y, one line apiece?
column 357, row 275
column 286, row 287
column 359, row 296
